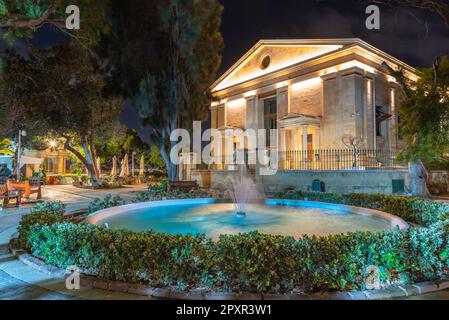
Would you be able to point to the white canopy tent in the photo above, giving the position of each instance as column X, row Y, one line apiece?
column 24, row 160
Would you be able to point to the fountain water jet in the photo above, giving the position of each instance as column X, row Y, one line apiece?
column 241, row 189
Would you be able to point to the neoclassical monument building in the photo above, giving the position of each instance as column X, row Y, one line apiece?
column 327, row 98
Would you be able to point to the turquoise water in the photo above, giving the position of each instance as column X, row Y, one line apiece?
column 219, row 218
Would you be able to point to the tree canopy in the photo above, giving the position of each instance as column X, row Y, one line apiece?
column 165, row 54
column 424, row 114
column 57, row 92
column 424, row 121
column 20, row 18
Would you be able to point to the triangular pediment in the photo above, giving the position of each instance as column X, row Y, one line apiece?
column 270, row 56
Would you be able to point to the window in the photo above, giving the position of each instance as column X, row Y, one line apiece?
column 265, row 63
column 382, row 115
column 51, row 165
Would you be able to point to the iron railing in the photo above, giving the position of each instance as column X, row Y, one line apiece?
column 338, row 159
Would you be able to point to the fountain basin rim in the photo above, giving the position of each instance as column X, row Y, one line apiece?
column 395, row 221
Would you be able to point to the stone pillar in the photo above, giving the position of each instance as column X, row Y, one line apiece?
column 316, row 138
column 61, row 163
column 370, row 111
column 213, row 115
column 359, row 110
column 331, row 117
column 343, row 107
column 304, row 138
column 283, row 96
column 392, row 123
column 218, row 114
column 251, row 113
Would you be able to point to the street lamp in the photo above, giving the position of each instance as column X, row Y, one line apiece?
column 22, row 133
column 53, row 144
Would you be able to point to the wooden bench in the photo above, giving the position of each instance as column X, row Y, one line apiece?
column 36, row 186
column 26, row 188
column 7, row 195
column 183, row 185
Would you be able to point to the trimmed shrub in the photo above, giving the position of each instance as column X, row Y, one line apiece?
column 415, row 210
column 250, row 262
column 37, row 219
column 108, row 202
column 156, row 195
column 254, row 262
column 50, row 207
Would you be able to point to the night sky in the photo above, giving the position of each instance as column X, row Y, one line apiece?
column 415, row 36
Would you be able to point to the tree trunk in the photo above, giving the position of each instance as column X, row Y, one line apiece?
column 93, row 151
column 85, row 160
column 90, row 164
column 172, row 169
column 418, row 179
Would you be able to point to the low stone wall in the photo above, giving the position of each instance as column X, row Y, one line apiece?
column 438, row 182
column 340, row 182
column 213, row 179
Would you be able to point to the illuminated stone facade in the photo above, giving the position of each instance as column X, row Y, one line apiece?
column 322, row 90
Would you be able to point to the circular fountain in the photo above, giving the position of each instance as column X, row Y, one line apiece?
column 247, row 212
column 277, row 217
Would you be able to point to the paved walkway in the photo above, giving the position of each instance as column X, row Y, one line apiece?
column 21, row 282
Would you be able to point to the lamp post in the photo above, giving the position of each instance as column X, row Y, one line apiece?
column 22, row 133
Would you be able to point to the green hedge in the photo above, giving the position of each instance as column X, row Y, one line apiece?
column 254, row 262
column 415, row 210
column 46, row 213
column 108, row 202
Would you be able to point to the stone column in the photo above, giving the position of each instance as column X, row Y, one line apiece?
column 251, row 113
column 370, row 111
column 304, row 138
column 331, row 110
column 316, row 138
column 392, row 123
column 283, row 96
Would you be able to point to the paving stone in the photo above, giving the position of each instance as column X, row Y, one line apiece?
column 221, row 296
column 194, row 296
column 141, row 290
column 101, row 284
column 320, row 296
column 19, row 290
column 411, row 290
column 396, row 292
column 299, row 296
column 118, row 286
column 274, row 297
column 358, row 295
column 86, row 282
column 249, row 296
column 162, row 293
column 426, row 287
column 340, row 296
column 178, row 295
column 377, row 294
column 443, row 285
